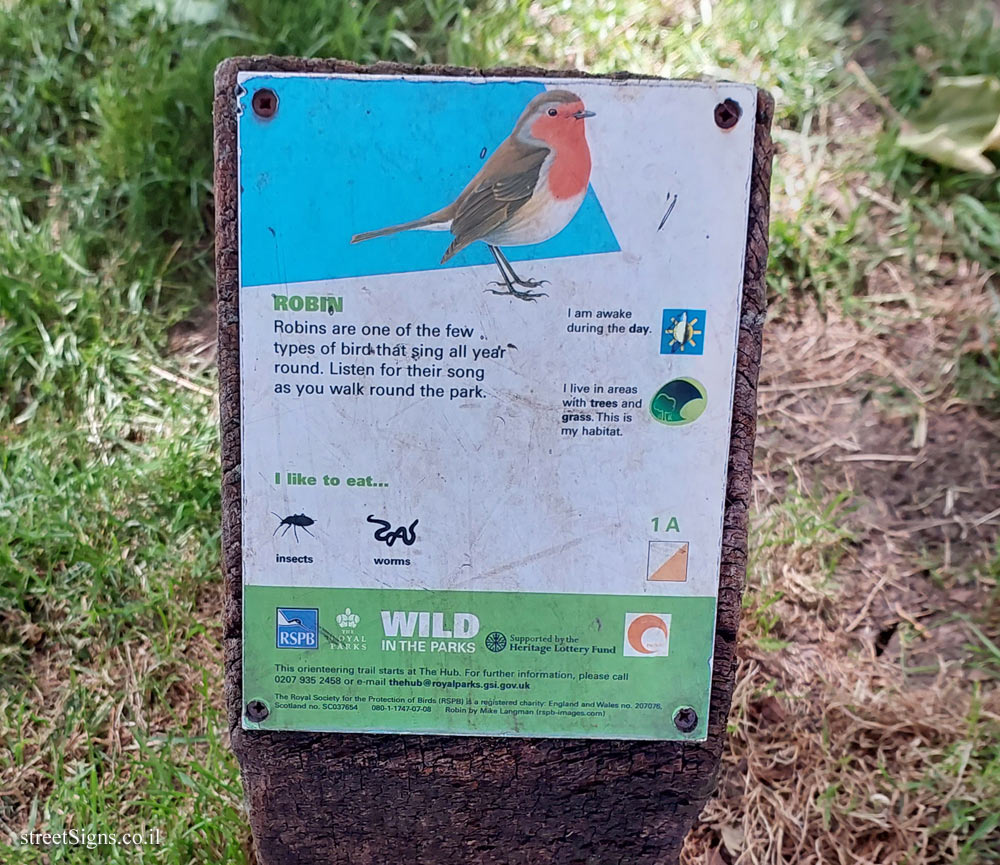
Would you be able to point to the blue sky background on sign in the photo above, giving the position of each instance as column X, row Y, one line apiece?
column 343, row 156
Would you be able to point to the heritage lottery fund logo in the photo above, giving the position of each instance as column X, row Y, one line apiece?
column 296, row 628
column 647, row 635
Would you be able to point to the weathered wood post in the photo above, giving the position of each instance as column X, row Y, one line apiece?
column 486, row 475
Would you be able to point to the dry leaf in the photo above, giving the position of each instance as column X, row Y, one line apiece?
column 733, row 838
column 957, row 123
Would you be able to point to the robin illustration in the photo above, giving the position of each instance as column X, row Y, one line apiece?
column 526, row 192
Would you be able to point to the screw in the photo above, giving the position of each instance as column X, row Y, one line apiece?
column 257, row 711
column 685, row 719
column 265, row 103
column 727, row 114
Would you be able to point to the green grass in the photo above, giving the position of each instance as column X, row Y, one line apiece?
column 919, row 44
column 973, row 814
column 110, row 709
column 736, row 41
column 795, row 547
column 109, row 484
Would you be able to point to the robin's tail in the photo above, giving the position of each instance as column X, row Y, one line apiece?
column 439, row 219
column 456, row 246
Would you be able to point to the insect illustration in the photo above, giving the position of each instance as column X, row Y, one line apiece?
column 294, row 522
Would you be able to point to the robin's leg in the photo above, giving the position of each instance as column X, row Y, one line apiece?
column 527, row 283
column 509, row 278
column 503, row 274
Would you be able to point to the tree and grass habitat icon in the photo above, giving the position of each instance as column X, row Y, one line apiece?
column 297, row 628
column 678, row 402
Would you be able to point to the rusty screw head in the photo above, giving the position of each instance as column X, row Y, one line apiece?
column 265, row 103
column 257, row 711
column 685, row 719
column 727, row 114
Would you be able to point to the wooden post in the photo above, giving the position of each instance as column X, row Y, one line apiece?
column 353, row 798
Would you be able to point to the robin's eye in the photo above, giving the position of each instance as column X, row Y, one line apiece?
column 552, row 112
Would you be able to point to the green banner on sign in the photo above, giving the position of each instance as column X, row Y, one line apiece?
column 483, row 663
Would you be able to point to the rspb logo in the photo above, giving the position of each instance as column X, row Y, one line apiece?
column 297, row 628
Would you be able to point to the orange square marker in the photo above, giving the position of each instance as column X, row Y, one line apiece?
column 667, row 561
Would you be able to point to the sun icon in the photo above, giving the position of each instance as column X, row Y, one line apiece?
column 682, row 332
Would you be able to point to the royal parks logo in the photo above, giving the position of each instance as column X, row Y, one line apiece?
column 348, row 620
column 348, row 640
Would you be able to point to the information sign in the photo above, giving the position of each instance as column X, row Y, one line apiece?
column 488, row 343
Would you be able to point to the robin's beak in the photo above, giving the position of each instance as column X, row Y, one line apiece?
column 581, row 114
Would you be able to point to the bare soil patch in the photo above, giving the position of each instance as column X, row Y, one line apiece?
column 848, row 742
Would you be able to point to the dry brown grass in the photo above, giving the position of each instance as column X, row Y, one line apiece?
column 838, row 761
column 130, row 714
column 876, row 512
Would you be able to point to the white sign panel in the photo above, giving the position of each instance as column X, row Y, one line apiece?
column 488, row 333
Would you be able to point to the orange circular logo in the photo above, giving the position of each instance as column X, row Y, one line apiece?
column 638, row 629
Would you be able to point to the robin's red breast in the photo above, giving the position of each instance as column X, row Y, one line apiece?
column 526, row 192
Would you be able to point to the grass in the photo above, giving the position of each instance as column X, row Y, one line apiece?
column 960, row 210
column 796, row 547
column 110, row 703
column 109, row 483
